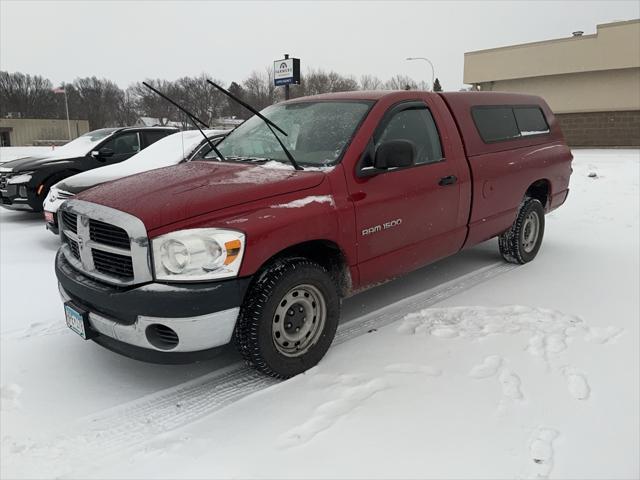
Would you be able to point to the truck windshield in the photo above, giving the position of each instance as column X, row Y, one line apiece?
column 318, row 132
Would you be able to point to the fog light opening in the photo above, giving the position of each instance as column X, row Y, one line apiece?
column 162, row 337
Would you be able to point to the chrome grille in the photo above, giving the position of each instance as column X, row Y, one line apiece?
column 108, row 234
column 73, row 246
column 70, row 221
column 105, row 243
column 112, row 263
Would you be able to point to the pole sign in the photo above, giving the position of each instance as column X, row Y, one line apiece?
column 286, row 71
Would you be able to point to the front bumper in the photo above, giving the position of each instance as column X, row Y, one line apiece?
column 203, row 315
column 10, row 198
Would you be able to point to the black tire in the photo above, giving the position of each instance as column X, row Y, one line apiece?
column 516, row 244
column 256, row 327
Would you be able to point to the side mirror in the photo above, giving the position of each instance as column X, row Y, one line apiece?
column 104, row 152
column 395, row 154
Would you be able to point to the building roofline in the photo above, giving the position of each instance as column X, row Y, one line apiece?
column 556, row 40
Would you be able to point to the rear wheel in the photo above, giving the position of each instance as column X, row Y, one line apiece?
column 520, row 244
column 289, row 318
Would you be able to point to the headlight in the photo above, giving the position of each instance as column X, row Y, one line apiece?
column 21, row 178
column 198, row 254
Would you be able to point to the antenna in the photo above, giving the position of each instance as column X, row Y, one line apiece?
column 270, row 124
column 191, row 116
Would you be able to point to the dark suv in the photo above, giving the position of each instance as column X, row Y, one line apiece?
column 25, row 182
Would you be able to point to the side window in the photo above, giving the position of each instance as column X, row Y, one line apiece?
column 154, row 136
column 125, row 144
column 495, row 123
column 417, row 126
column 499, row 123
column 530, row 121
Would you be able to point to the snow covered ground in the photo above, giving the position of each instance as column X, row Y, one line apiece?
column 469, row 368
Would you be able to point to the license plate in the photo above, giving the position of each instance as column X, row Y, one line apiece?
column 77, row 320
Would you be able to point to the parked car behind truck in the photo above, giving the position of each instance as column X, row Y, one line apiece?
column 170, row 150
column 25, row 182
column 169, row 264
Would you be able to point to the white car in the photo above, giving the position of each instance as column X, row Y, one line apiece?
column 170, row 150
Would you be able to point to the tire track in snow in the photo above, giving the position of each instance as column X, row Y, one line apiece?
column 108, row 432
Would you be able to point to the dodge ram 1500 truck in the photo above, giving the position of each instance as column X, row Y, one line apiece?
column 167, row 265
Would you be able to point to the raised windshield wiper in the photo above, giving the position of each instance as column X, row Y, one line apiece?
column 191, row 117
column 269, row 123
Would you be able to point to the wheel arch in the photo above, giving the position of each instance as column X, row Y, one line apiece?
column 326, row 253
column 540, row 190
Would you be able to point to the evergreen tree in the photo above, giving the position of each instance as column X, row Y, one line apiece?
column 436, row 86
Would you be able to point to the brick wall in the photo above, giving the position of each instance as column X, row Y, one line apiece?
column 601, row 129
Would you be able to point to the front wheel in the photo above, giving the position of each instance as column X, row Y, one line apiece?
column 289, row 318
column 520, row 244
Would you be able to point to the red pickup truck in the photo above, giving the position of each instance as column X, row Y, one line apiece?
column 167, row 265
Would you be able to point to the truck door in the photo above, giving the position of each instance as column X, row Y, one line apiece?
column 408, row 217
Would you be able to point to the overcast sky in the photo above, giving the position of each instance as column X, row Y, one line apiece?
column 131, row 41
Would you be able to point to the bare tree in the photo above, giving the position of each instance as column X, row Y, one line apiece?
column 200, row 98
column 231, row 108
column 370, row 82
column 28, row 96
column 259, row 89
column 315, row 82
column 401, row 82
column 149, row 104
column 97, row 100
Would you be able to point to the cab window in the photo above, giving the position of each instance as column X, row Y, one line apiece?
column 416, row 125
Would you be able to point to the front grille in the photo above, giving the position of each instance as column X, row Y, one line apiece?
column 70, row 221
column 110, row 247
column 112, row 263
column 108, row 234
column 73, row 246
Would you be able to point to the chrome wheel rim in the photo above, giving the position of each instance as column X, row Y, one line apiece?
column 298, row 321
column 530, row 230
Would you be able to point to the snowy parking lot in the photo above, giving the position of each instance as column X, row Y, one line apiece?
column 468, row 368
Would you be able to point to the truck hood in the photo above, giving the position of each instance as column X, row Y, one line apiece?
column 168, row 195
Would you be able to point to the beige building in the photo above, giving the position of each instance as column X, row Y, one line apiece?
column 31, row 131
column 591, row 82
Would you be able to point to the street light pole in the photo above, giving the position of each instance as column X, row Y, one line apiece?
column 66, row 105
column 433, row 71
